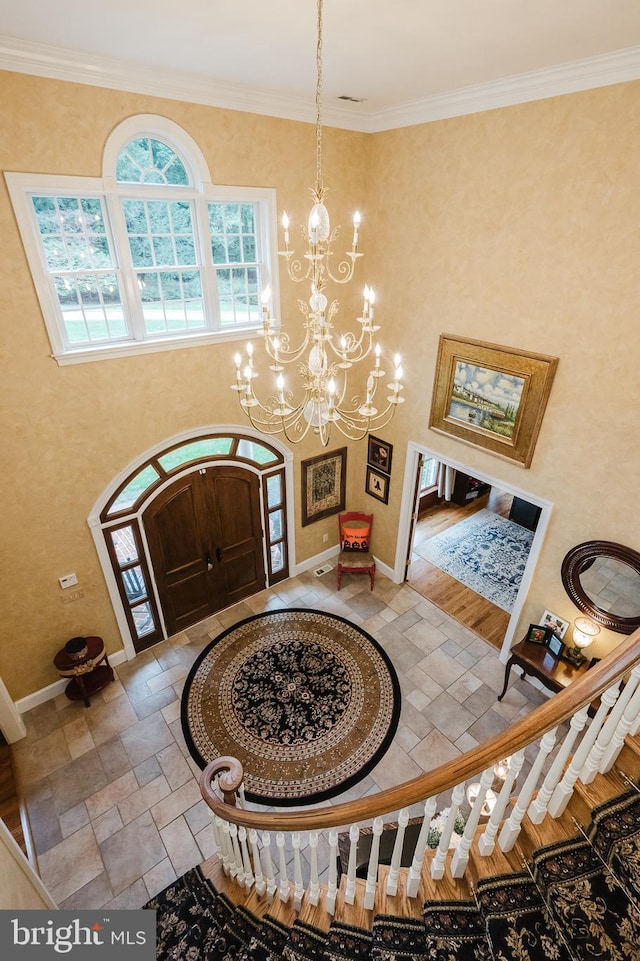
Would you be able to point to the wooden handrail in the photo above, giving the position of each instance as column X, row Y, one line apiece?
column 514, row 738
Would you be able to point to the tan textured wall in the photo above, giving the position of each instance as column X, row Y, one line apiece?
column 520, row 227
column 67, row 431
column 517, row 226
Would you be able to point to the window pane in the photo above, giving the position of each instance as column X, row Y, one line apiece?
column 160, row 233
column 211, row 447
column 275, row 525
column 277, row 557
column 171, row 301
column 274, row 490
column 134, row 585
column 72, row 232
column 136, row 486
column 91, row 307
column 429, row 473
column 143, row 619
column 146, row 160
column 124, row 545
column 256, row 452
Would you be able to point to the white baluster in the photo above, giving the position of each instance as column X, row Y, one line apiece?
column 216, row 833
column 223, row 834
column 511, row 827
column 268, row 866
column 372, row 870
column 236, row 865
column 627, row 721
column 487, row 842
column 564, row 788
column 332, row 885
column 246, row 860
column 415, row 871
column 257, row 865
column 539, row 806
column 241, row 800
column 298, row 887
column 314, row 882
column 350, row 890
column 460, row 857
column 592, row 764
column 284, row 879
column 437, row 865
column 396, row 857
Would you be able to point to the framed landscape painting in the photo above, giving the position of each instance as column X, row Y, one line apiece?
column 323, row 485
column 490, row 396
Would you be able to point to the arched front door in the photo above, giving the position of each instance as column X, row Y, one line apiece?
column 205, row 542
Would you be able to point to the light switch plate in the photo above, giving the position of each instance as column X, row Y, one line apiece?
column 69, row 580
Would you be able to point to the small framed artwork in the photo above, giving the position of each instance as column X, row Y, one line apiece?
column 537, row 634
column 379, row 455
column 555, row 645
column 377, row 485
column 555, row 623
column 323, row 485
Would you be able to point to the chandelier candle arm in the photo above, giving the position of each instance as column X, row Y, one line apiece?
column 323, row 399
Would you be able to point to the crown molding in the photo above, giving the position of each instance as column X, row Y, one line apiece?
column 57, row 63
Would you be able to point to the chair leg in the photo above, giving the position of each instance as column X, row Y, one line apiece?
column 372, row 575
column 339, row 576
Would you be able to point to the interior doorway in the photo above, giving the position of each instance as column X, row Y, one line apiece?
column 205, row 541
column 461, row 508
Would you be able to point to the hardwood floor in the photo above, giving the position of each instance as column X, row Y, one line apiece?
column 9, row 803
column 467, row 607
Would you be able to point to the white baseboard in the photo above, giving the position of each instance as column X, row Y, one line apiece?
column 319, row 559
column 58, row 687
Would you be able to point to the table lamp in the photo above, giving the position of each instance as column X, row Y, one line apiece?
column 584, row 631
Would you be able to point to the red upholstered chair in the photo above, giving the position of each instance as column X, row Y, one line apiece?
column 355, row 545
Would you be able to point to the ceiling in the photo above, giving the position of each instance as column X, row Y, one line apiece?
column 408, row 60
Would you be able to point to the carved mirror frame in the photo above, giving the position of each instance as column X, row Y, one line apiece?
column 581, row 557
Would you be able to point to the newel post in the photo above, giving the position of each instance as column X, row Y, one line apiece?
column 229, row 774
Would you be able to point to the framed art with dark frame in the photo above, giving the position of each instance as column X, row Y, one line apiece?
column 324, row 479
column 490, row 396
column 377, row 484
column 537, row 634
column 379, row 454
column 555, row 645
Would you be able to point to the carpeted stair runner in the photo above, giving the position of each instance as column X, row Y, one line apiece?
column 579, row 901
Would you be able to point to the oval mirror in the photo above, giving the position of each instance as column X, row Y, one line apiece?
column 602, row 579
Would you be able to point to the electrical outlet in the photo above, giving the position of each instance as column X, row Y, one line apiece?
column 72, row 596
column 325, row 538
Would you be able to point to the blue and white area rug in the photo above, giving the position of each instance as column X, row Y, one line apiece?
column 485, row 552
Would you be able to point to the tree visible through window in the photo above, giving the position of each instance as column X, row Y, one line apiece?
column 147, row 255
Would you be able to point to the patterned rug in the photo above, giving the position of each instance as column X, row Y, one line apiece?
column 307, row 702
column 485, row 552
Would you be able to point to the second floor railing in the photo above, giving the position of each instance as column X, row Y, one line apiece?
column 575, row 735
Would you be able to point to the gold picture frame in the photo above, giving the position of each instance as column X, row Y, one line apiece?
column 324, row 480
column 491, row 396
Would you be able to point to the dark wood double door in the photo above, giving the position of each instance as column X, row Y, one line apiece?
column 205, row 540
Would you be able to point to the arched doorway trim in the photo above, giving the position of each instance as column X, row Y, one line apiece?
column 118, row 532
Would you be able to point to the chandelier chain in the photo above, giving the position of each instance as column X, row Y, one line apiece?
column 319, row 185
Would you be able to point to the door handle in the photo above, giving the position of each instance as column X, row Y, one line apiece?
column 218, row 554
column 208, row 561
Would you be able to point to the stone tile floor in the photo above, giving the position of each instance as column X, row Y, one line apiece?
column 112, row 792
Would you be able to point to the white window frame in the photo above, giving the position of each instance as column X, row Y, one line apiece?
column 22, row 187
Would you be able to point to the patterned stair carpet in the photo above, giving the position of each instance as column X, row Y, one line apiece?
column 579, row 901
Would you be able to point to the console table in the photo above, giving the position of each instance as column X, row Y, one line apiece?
column 88, row 674
column 537, row 660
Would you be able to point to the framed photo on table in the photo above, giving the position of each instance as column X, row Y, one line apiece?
column 323, row 485
column 537, row 634
column 555, row 645
column 556, row 624
column 377, row 484
column 379, row 454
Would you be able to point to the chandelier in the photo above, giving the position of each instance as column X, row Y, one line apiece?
column 323, row 357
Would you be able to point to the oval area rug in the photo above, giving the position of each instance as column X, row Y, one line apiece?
column 307, row 701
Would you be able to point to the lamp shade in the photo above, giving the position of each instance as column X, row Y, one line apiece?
column 584, row 631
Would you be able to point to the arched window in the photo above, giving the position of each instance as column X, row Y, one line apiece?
column 152, row 255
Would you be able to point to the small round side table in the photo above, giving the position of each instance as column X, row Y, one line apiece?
column 88, row 674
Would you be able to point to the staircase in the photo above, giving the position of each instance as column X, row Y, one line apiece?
column 575, row 900
column 554, row 873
